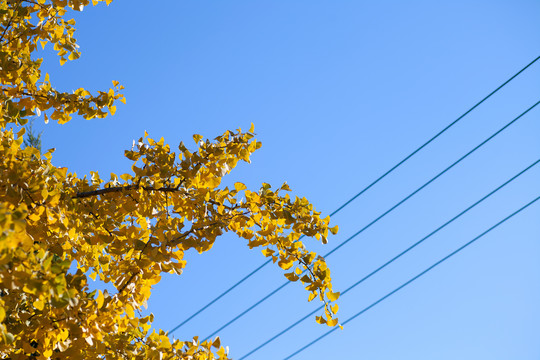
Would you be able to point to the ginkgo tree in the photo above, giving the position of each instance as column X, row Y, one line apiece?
column 57, row 230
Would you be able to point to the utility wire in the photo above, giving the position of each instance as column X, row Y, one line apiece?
column 361, row 192
column 413, row 279
column 393, row 259
column 380, row 216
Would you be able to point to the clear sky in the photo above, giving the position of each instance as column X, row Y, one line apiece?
column 339, row 91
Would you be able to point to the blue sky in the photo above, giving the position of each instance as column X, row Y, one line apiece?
column 339, row 92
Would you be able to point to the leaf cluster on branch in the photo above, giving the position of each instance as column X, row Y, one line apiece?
column 57, row 230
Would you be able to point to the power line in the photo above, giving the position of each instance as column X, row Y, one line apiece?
column 361, row 192
column 393, row 259
column 413, row 279
column 379, row 217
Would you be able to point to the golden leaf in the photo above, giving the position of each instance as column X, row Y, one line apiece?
column 38, row 304
column 333, row 296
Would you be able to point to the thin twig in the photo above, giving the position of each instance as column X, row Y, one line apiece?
column 10, row 21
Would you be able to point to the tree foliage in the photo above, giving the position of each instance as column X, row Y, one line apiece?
column 57, row 229
column 32, row 138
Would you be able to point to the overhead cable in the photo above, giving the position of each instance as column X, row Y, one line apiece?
column 379, row 217
column 343, row 293
column 411, row 280
column 359, row 193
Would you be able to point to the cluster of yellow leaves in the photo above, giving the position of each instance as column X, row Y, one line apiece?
column 25, row 25
column 57, row 229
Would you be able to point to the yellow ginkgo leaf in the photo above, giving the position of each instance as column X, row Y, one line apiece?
column 333, row 296
column 100, row 299
column 332, row 322
column 239, row 186
column 38, row 304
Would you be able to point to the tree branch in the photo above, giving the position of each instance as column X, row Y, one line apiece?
column 10, row 21
column 122, row 188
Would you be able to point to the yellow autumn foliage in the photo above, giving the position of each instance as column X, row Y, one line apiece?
column 57, row 229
